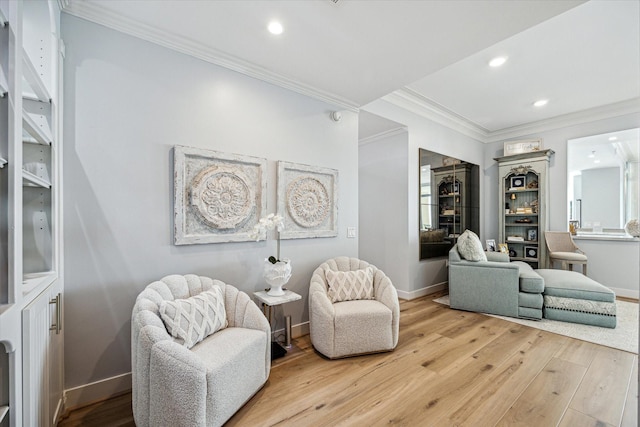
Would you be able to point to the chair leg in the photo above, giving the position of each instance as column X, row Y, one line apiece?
column 565, row 265
column 584, row 269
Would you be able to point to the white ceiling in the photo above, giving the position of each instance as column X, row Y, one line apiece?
column 349, row 53
column 603, row 151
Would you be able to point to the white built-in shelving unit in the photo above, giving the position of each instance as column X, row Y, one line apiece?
column 31, row 279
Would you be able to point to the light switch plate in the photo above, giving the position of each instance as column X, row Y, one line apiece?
column 351, row 232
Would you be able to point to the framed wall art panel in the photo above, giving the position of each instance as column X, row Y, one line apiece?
column 307, row 200
column 218, row 197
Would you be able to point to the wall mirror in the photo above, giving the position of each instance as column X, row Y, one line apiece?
column 449, row 202
column 603, row 181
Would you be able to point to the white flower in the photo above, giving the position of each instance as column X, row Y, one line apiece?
column 269, row 222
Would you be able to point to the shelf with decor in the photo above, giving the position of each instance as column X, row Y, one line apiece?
column 523, row 198
column 451, row 183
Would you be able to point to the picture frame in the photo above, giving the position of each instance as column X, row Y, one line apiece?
column 456, row 188
column 504, row 248
column 522, row 146
column 531, row 252
column 491, row 245
column 532, row 234
column 218, row 197
column 518, row 182
column 307, row 200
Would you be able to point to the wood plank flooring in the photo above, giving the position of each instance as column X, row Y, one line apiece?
column 451, row 368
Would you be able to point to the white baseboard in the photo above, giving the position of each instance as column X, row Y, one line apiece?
column 627, row 293
column 97, row 391
column 296, row 330
column 422, row 292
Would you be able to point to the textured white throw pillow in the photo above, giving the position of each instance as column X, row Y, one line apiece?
column 470, row 247
column 193, row 319
column 350, row 285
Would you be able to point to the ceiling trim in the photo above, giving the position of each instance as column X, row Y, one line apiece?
column 412, row 101
column 382, row 135
column 416, row 103
column 99, row 15
column 617, row 109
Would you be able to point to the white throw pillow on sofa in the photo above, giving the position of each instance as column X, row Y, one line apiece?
column 193, row 319
column 470, row 247
column 350, row 285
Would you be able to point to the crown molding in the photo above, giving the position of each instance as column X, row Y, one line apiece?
column 604, row 112
column 410, row 100
column 382, row 135
column 99, row 15
column 416, row 103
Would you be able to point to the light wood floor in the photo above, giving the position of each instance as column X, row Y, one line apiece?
column 451, row 368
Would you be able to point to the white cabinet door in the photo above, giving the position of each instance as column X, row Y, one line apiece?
column 42, row 361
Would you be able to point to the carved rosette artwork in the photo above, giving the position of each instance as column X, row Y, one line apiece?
column 223, row 196
column 219, row 197
column 308, row 202
column 307, row 199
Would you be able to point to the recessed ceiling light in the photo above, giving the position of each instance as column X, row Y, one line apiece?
column 275, row 27
column 540, row 103
column 592, row 155
column 613, row 138
column 498, row 61
column 596, row 161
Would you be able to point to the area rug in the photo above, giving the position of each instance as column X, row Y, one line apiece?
column 623, row 337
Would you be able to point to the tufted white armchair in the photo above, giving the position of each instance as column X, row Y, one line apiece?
column 350, row 328
column 206, row 384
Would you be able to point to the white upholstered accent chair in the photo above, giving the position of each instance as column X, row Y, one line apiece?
column 562, row 248
column 207, row 383
column 353, row 327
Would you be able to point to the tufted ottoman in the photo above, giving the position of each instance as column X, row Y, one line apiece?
column 572, row 297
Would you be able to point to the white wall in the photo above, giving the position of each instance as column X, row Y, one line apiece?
column 423, row 276
column 614, row 264
column 127, row 103
column 383, row 202
column 601, row 256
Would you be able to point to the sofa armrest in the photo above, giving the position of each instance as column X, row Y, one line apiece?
column 387, row 294
column 488, row 287
column 321, row 317
column 176, row 372
column 497, row 256
column 487, row 265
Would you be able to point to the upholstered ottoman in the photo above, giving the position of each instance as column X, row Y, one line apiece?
column 573, row 297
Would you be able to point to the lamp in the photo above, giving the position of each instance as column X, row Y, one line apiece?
column 513, row 196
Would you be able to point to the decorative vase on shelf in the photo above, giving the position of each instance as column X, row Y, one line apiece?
column 276, row 275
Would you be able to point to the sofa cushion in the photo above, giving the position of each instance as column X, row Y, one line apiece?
column 470, row 247
column 571, row 284
column 569, row 256
column 350, row 285
column 526, row 299
column 193, row 319
column 362, row 327
column 530, row 281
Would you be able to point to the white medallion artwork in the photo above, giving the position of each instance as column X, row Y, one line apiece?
column 308, row 200
column 222, row 196
column 219, row 197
